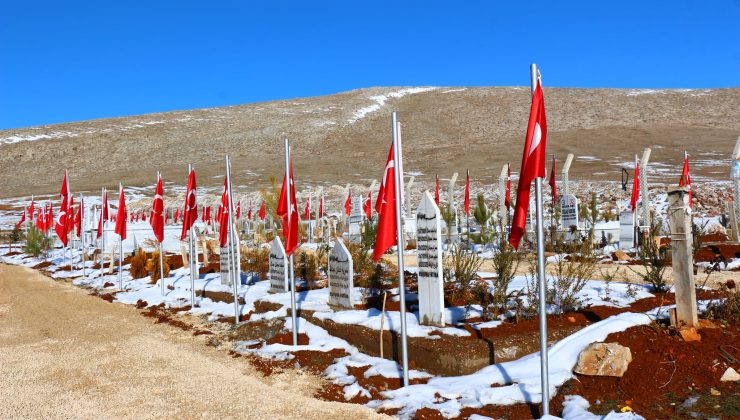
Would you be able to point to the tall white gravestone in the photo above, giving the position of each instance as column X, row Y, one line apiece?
column 278, row 267
column 341, row 276
column 429, row 256
column 568, row 211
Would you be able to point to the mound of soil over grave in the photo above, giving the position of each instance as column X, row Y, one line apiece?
column 42, row 264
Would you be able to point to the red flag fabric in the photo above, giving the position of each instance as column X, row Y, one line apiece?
column 467, row 193
column 553, row 184
column 321, row 207
column 262, row 213
column 635, row 197
column 176, row 217
column 78, row 218
column 49, row 218
column 223, row 216
column 103, row 214
column 62, row 224
column 533, row 163
column 307, row 209
column 157, row 219
column 507, row 199
column 249, row 211
column 121, row 215
column 685, row 180
column 348, row 203
column 367, row 206
column 190, row 214
column 31, row 210
column 385, row 206
column 238, row 211
column 166, row 216
column 143, row 216
column 219, row 212
column 70, row 214
column 40, row 219
column 289, row 215
column 436, row 191
column 23, row 219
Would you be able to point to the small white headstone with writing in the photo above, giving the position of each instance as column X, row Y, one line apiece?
column 429, row 256
column 568, row 211
column 626, row 229
column 278, row 267
column 341, row 274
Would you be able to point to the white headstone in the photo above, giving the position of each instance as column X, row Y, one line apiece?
column 224, row 262
column 341, row 274
column 429, row 256
column 278, row 267
column 568, row 211
column 626, row 229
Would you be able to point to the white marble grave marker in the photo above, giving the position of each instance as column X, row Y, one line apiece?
column 429, row 256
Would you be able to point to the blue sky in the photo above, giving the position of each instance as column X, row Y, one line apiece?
column 72, row 60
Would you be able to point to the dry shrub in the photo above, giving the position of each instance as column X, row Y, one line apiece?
column 153, row 266
column 255, row 261
column 138, row 265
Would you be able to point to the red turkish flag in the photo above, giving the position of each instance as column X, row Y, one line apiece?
column 238, row 211
column 23, row 219
column 348, row 203
column 262, row 213
column 367, row 206
column 31, row 210
column 321, row 207
column 190, row 214
column 40, row 219
column 533, row 163
column 385, row 206
column 507, row 198
column 61, row 225
column 307, row 209
column 635, row 197
column 223, row 216
column 436, row 192
column 70, row 214
column 104, row 215
column 49, row 218
column 157, row 219
column 289, row 214
column 176, row 217
column 166, row 216
column 78, row 218
column 685, row 180
column 121, row 215
column 553, row 184
column 467, row 193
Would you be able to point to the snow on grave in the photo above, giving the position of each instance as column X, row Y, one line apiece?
column 278, row 267
column 429, row 256
column 341, row 274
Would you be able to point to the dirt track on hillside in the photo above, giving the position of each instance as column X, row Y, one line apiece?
column 66, row 354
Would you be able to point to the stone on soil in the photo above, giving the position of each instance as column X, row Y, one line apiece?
column 730, row 375
column 604, row 359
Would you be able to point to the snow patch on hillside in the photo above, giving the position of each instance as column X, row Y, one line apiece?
column 380, row 101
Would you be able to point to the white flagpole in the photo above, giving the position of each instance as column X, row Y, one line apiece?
column 399, row 241
column 235, row 277
column 102, row 229
column 82, row 236
column 193, row 254
column 161, row 250
column 120, row 247
column 288, row 189
column 542, row 280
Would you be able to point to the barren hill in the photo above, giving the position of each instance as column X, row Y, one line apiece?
column 344, row 138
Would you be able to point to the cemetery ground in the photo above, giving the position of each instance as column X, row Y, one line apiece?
column 79, row 351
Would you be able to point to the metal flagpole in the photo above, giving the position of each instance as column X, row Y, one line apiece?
column 231, row 242
column 82, row 236
column 193, row 255
column 542, row 279
column 399, row 242
column 161, row 250
column 120, row 249
column 102, row 231
column 288, row 186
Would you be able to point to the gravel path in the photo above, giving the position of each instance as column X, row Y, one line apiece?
column 65, row 354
